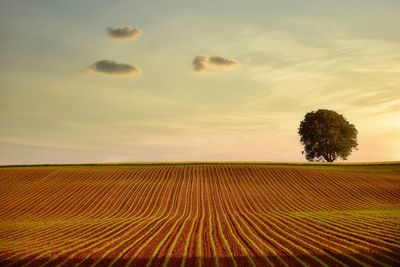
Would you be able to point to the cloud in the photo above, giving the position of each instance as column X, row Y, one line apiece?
column 200, row 63
column 112, row 68
column 342, row 72
column 220, row 61
column 124, row 33
column 205, row 63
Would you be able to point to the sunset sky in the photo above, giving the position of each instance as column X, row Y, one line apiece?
column 112, row 81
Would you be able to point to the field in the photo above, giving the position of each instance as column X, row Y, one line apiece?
column 200, row 215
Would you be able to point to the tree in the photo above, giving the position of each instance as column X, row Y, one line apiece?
column 327, row 135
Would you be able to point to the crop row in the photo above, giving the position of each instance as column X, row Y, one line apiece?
column 198, row 216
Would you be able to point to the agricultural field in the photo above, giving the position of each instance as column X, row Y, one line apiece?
column 200, row 215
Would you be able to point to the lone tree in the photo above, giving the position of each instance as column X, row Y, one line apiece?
column 327, row 135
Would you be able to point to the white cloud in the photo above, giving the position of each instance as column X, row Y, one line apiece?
column 205, row 63
column 112, row 68
column 124, row 33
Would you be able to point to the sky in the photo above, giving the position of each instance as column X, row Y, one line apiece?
column 122, row 81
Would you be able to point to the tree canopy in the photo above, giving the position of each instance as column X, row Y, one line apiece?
column 327, row 135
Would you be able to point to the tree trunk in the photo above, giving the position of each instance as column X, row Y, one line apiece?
column 329, row 157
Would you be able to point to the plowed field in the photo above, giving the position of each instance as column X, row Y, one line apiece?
column 200, row 215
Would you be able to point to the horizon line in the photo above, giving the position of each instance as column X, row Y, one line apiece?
column 153, row 163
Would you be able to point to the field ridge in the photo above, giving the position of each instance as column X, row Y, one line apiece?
column 200, row 214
